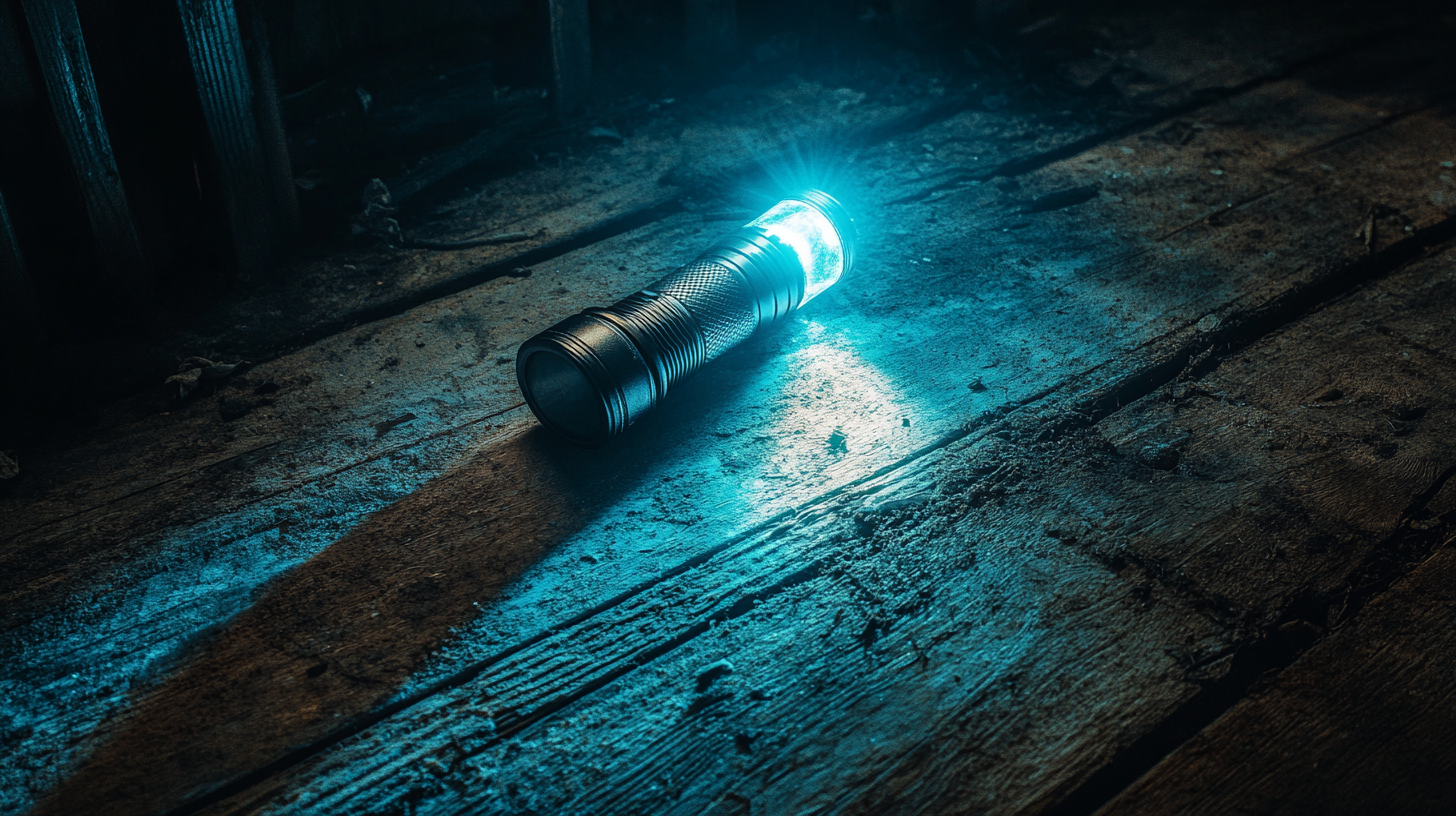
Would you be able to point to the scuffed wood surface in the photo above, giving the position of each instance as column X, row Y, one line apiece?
column 364, row 540
column 898, row 594
column 869, row 642
column 1361, row 724
column 1351, row 406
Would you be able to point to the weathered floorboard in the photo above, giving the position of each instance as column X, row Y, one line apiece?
column 1335, row 121
column 910, row 642
column 818, row 622
column 1361, row 724
column 315, row 440
column 1351, row 406
column 628, row 513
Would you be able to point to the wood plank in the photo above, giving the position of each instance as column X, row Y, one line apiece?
column 1360, row 438
column 608, row 293
column 60, row 49
column 389, row 471
column 220, row 68
column 858, row 616
column 880, row 725
column 802, row 623
column 571, row 69
column 1361, row 724
column 427, row 633
column 207, row 423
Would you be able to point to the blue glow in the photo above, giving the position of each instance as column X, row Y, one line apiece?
column 813, row 238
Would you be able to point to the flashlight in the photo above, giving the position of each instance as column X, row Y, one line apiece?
column 595, row 373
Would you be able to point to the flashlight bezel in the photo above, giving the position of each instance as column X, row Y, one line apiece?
column 842, row 223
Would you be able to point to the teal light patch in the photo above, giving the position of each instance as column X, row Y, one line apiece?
column 813, row 238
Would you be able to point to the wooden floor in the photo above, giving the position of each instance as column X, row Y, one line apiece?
column 1116, row 478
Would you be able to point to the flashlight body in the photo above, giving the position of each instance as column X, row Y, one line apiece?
column 593, row 374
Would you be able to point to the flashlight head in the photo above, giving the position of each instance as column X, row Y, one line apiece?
column 819, row 231
column 593, row 374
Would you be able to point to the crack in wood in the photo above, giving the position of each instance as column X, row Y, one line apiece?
column 1261, row 658
column 1197, row 100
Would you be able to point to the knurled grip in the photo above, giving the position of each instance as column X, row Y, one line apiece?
column 685, row 319
column 719, row 300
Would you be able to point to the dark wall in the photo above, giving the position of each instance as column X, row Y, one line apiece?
column 312, row 39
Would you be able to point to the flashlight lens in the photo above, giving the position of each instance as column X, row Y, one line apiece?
column 812, row 236
column 564, row 397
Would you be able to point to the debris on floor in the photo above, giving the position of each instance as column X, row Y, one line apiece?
column 375, row 220
column 195, row 370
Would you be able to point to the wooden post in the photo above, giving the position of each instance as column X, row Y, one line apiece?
column 570, row 55
column 71, row 89
column 712, row 33
column 269, row 116
column 220, row 70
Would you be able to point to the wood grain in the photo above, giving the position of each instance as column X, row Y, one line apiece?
column 1359, row 436
column 1361, row 724
column 393, row 466
column 684, row 153
column 1326, row 119
column 220, row 66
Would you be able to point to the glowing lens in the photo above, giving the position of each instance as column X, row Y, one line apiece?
column 813, row 238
